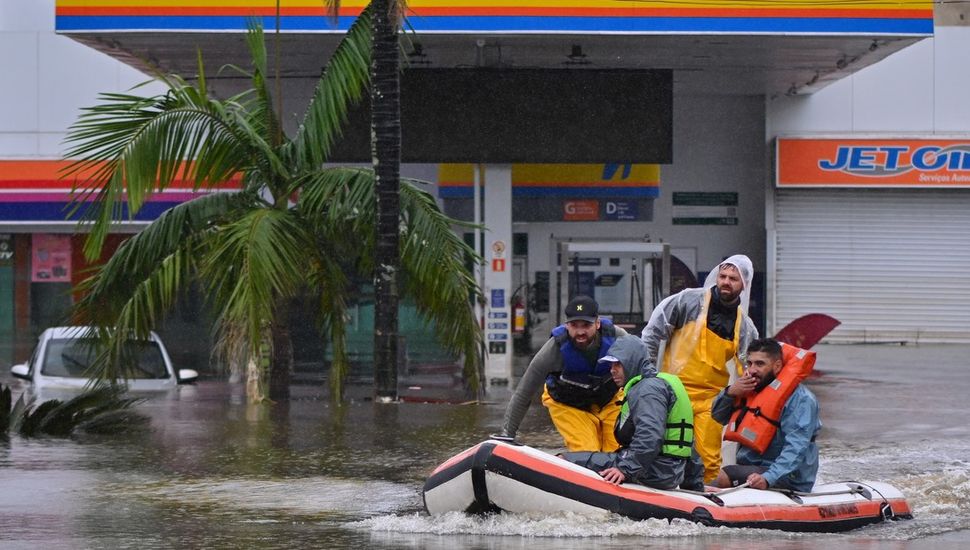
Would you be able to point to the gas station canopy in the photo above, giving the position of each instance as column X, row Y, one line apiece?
column 723, row 47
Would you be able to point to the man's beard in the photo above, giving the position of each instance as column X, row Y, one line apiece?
column 763, row 383
column 592, row 339
column 727, row 297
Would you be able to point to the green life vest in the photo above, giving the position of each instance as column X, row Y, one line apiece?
column 679, row 436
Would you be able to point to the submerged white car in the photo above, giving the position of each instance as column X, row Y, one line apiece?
column 63, row 354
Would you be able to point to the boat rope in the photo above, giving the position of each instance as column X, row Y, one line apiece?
column 730, row 489
column 713, row 496
column 853, row 489
column 794, row 495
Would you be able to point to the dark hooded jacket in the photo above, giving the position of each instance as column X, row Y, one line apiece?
column 650, row 401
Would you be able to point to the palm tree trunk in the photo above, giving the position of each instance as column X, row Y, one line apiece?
column 386, row 151
column 281, row 359
column 255, row 387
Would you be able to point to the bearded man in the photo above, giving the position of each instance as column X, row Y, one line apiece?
column 577, row 389
column 774, row 417
column 698, row 334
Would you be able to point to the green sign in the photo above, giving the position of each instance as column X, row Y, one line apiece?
column 702, row 208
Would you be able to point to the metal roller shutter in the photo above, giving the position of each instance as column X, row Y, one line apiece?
column 891, row 265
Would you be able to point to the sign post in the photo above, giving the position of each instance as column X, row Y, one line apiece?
column 498, row 278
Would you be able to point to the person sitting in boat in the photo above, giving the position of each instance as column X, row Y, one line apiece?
column 773, row 417
column 578, row 391
column 655, row 426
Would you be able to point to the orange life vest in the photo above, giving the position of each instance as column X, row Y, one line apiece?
column 758, row 416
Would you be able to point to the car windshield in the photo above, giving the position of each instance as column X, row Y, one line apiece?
column 71, row 357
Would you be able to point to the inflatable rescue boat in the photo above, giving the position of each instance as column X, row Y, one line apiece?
column 497, row 476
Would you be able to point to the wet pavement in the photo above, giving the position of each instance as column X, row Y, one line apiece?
column 216, row 472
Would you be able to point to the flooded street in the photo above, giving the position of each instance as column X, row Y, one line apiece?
column 215, row 472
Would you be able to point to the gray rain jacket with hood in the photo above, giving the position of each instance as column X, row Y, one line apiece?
column 650, row 401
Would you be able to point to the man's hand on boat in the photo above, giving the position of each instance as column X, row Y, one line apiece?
column 757, row 481
column 613, row 475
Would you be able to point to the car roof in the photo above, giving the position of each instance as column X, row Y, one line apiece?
column 79, row 331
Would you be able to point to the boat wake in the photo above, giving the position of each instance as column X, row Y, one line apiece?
column 936, row 483
column 558, row 525
column 939, row 496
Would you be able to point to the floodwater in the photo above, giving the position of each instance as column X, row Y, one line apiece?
column 215, row 472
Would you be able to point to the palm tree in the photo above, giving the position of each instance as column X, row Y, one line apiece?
column 294, row 228
column 386, row 149
column 387, row 16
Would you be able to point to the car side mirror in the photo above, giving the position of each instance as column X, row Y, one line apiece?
column 21, row 371
column 187, row 376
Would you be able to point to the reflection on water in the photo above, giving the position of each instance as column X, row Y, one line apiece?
column 215, row 472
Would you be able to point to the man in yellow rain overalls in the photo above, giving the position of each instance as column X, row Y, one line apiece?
column 703, row 330
column 578, row 389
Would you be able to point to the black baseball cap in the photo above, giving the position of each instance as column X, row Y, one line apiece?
column 582, row 308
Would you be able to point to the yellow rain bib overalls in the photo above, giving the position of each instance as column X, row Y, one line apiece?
column 700, row 358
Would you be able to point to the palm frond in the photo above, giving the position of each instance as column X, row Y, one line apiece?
column 255, row 260
column 131, row 293
column 342, row 84
column 17, row 412
column 112, row 284
column 341, row 197
column 131, row 146
column 149, row 138
column 333, row 9
column 100, row 401
column 33, row 419
column 65, row 417
column 96, row 406
column 433, row 256
column 5, row 401
column 263, row 111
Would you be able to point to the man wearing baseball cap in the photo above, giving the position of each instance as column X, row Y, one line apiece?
column 576, row 388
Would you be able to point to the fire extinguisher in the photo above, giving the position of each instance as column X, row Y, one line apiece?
column 518, row 315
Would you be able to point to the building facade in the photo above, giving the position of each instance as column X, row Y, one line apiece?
column 868, row 200
column 739, row 77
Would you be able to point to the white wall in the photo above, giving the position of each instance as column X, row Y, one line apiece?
column 49, row 78
column 921, row 89
column 719, row 145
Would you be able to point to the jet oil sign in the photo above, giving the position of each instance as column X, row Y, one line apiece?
column 849, row 162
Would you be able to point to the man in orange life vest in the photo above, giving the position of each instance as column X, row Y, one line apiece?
column 774, row 418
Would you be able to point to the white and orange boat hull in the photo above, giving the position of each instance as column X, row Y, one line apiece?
column 497, row 476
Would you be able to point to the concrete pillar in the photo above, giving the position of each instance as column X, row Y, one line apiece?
column 497, row 184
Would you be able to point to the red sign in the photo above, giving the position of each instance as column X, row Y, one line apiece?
column 498, row 265
column 50, row 258
column 581, row 211
column 863, row 162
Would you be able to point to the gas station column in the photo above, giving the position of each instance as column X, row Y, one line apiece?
column 497, row 218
